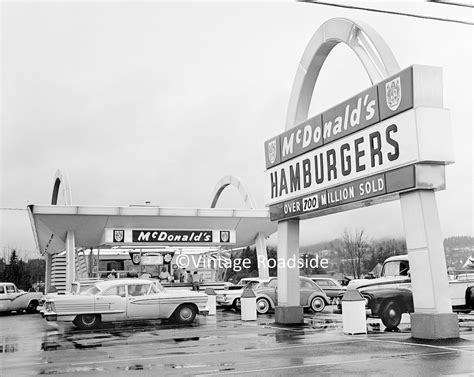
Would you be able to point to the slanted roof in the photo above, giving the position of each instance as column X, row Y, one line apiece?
column 51, row 223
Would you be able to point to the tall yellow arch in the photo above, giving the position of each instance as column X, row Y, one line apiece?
column 230, row 180
column 375, row 55
column 61, row 179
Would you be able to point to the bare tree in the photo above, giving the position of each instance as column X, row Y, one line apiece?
column 355, row 245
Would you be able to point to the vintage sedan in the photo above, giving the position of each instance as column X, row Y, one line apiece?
column 125, row 299
column 311, row 296
column 229, row 297
column 330, row 286
column 14, row 299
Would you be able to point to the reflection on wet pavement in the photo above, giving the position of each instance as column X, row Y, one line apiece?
column 217, row 345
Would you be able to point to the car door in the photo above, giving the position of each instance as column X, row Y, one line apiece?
column 112, row 303
column 12, row 296
column 142, row 301
column 306, row 289
column 329, row 287
column 4, row 300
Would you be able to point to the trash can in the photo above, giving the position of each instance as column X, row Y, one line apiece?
column 211, row 300
column 353, row 313
column 248, row 305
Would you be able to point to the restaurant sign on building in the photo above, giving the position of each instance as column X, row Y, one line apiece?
column 168, row 236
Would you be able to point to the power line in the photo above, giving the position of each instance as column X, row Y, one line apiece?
column 12, row 209
column 388, row 12
column 456, row 3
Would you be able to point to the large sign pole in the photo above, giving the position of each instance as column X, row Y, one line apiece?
column 388, row 142
column 433, row 317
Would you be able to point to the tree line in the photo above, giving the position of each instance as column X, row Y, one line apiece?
column 23, row 273
column 352, row 254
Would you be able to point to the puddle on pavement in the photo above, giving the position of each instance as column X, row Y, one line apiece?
column 324, row 323
column 195, row 338
column 221, row 366
column 135, row 367
column 91, row 342
column 71, row 370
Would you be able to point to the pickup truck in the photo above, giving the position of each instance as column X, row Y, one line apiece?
column 390, row 295
column 13, row 299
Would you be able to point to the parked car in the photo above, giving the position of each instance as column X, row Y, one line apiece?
column 125, row 299
column 229, row 297
column 311, row 296
column 389, row 296
column 14, row 299
column 76, row 288
column 330, row 286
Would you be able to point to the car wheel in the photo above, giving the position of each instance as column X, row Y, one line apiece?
column 263, row 306
column 32, row 307
column 185, row 314
column 87, row 321
column 391, row 315
column 318, row 304
column 236, row 304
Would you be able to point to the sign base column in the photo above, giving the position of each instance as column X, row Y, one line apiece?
column 433, row 317
column 288, row 311
column 289, row 315
column 434, row 326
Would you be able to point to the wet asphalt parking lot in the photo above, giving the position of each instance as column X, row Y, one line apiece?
column 225, row 345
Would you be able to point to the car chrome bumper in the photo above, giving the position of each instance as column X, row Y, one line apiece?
column 50, row 317
column 224, row 303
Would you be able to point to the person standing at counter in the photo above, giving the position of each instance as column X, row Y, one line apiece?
column 177, row 275
column 164, row 275
column 196, row 281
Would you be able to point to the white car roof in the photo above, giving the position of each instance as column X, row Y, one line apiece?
column 131, row 281
column 321, row 278
column 397, row 257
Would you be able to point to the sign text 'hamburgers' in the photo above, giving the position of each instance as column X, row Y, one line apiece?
column 396, row 123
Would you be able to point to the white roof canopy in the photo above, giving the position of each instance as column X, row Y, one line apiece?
column 51, row 223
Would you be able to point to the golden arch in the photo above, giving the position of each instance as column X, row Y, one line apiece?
column 230, row 180
column 61, row 179
column 375, row 55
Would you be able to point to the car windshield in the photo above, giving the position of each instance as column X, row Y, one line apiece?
column 92, row 290
column 395, row 268
column 252, row 284
column 157, row 287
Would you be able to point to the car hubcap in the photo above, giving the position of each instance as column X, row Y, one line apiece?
column 317, row 305
column 262, row 305
column 88, row 319
column 392, row 313
column 186, row 313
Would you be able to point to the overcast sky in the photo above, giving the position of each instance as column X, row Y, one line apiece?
column 158, row 101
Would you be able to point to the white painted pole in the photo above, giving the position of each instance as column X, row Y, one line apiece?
column 288, row 309
column 433, row 317
column 70, row 259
